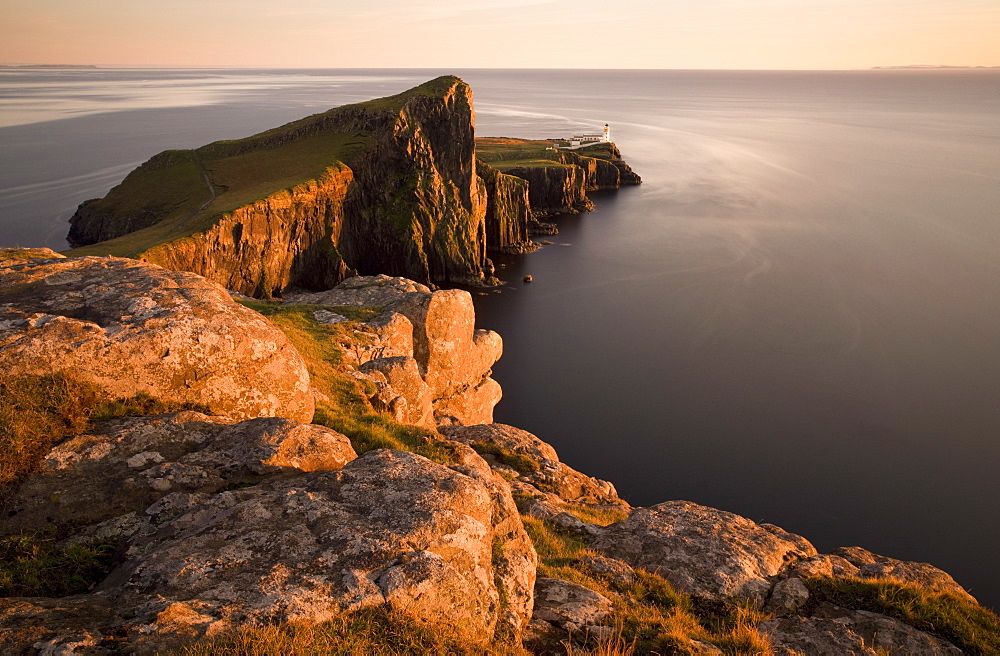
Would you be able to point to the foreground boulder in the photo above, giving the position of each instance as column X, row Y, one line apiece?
column 566, row 611
column 129, row 327
column 838, row 631
column 221, row 523
column 702, row 551
column 873, row 566
column 99, row 485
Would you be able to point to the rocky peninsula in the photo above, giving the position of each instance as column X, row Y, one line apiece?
column 394, row 185
column 185, row 469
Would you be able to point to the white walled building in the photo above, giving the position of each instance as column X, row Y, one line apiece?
column 581, row 139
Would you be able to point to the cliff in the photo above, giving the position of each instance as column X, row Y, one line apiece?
column 357, row 533
column 558, row 180
column 397, row 186
column 385, row 186
column 508, row 211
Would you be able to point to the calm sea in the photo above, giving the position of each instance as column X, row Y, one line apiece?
column 796, row 317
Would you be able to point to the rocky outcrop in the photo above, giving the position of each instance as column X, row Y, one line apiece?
column 402, row 391
column 430, row 364
column 566, row 611
column 15, row 255
column 555, row 188
column 518, row 453
column 257, row 522
column 394, row 191
column 838, row 631
column 702, row 551
column 362, row 291
column 105, row 480
column 129, row 327
column 558, row 179
column 873, row 566
column 260, row 249
column 508, row 211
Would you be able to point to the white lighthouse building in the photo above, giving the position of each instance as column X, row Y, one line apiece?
column 584, row 139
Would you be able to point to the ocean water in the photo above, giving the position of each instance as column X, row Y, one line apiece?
column 795, row 318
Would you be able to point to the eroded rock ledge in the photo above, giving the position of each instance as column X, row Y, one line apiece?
column 430, row 363
column 224, row 521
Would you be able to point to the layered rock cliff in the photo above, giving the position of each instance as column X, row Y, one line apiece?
column 558, row 179
column 387, row 186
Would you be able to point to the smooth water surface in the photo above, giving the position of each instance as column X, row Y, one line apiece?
column 796, row 317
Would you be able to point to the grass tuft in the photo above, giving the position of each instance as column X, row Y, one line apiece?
column 375, row 631
column 962, row 622
column 31, row 565
column 38, row 412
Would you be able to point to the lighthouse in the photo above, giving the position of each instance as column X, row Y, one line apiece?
column 607, row 133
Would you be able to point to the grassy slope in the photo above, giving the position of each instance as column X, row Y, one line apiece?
column 242, row 171
column 239, row 180
column 505, row 153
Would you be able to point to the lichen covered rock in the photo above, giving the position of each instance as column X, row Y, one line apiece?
column 129, row 327
column 541, row 466
column 104, row 480
column 703, row 551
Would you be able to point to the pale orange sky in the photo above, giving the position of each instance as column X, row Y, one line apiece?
column 731, row 34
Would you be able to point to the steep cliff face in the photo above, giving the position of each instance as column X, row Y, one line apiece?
column 555, row 189
column 287, row 238
column 417, row 208
column 508, row 211
column 387, row 186
column 558, row 179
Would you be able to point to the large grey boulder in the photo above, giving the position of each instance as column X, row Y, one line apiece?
column 127, row 327
column 105, row 479
column 442, row 545
column 703, row 551
column 835, row 631
column 871, row 565
column 564, row 613
column 814, row 636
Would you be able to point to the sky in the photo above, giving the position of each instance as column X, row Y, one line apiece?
column 675, row 34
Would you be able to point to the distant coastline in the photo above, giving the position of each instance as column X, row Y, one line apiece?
column 927, row 66
column 88, row 66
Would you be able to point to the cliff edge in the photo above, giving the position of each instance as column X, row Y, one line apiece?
column 384, row 186
column 396, row 186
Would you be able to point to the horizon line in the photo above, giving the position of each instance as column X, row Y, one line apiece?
column 36, row 66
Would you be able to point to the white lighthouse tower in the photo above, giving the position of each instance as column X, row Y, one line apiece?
column 607, row 133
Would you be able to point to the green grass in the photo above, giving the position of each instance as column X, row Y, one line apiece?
column 344, row 404
column 37, row 412
column 967, row 625
column 172, row 188
column 650, row 616
column 32, row 565
column 375, row 631
column 504, row 153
